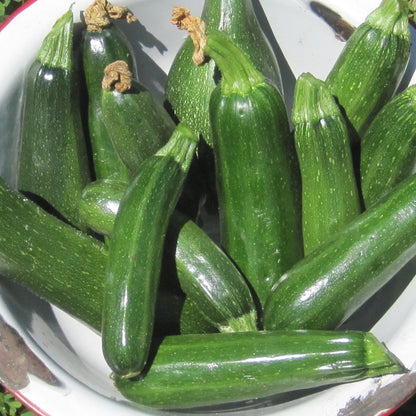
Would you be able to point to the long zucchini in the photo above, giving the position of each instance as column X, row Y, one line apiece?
column 330, row 196
column 257, row 179
column 210, row 369
column 53, row 160
column 388, row 148
column 372, row 63
column 135, row 253
column 333, row 281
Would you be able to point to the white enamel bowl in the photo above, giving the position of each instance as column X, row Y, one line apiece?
column 58, row 366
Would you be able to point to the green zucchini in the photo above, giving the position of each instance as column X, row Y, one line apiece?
column 189, row 87
column 137, row 123
column 205, row 274
column 50, row 258
column 135, row 253
column 99, row 204
column 103, row 43
column 53, row 161
column 372, row 63
column 327, row 286
column 388, row 148
column 211, row 369
column 221, row 293
column 257, row 179
column 192, row 321
column 330, row 197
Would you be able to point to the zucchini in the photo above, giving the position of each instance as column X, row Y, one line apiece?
column 372, row 64
column 205, row 274
column 330, row 197
column 136, row 122
column 103, row 43
column 192, row 321
column 327, row 286
column 211, row 369
column 50, row 258
column 257, row 180
column 189, row 87
column 135, row 253
column 388, row 148
column 53, row 162
column 99, row 204
column 220, row 291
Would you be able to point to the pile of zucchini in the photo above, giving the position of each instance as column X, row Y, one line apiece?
column 215, row 243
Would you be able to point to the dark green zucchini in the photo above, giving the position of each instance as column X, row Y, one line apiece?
column 53, row 160
column 211, row 369
column 205, row 274
column 257, row 179
column 103, row 43
column 218, row 289
column 332, row 282
column 50, row 258
column 388, row 148
column 330, row 197
column 372, row 63
column 135, row 253
column 189, row 87
column 192, row 321
column 137, row 123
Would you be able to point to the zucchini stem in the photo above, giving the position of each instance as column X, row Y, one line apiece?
column 239, row 75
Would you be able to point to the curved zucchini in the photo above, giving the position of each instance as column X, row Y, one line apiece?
column 135, row 253
column 332, row 282
column 211, row 369
column 189, row 87
column 205, row 274
column 53, row 160
column 372, row 63
column 257, row 179
column 330, row 196
column 136, row 122
column 388, row 148
column 102, row 45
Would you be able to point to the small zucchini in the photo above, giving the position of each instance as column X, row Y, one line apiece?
column 328, row 285
column 205, row 274
column 330, row 196
column 135, row 253
column 372, row 63
column 211, row 369
column 189, row 87
column 137, row 123
column 257, row 179
column 103, row 43
column 218, row 288
column 388, row 148
column 53, row 160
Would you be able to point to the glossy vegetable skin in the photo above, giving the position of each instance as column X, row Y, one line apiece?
column 372, row 63
column 189, row 87
column 136, row 250
column 253, row 365
column 388, row 149
column 53, row 162
column 257, row 175
column 102, row 46
column 327, row 286
column 330, row 197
